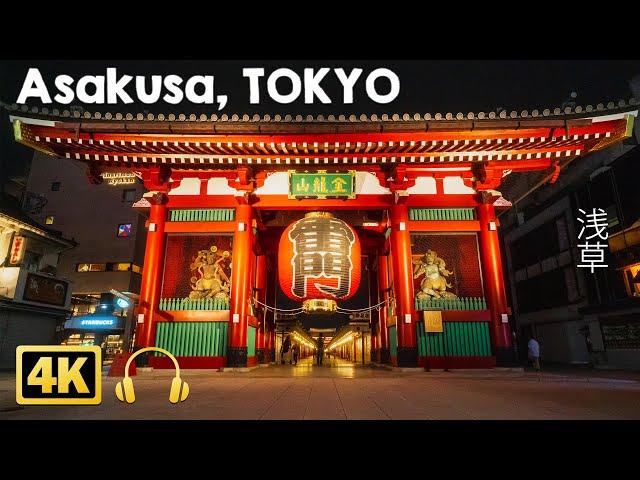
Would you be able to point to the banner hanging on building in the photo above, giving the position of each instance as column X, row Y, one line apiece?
column 17, row 249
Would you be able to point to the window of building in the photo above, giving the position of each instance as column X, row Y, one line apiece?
column 632, row 277
column 612, row 216
column 85, row 304
column 31, row 261
column 612, row 282
column 107, row 267
column 129, row 195
column 547, row 240
column 49, row 220
column 91, row 267
column 547, row 290
column 124, row 230
column 626, row 172
column 55, row 186
column 80, row 339
column 602, row 194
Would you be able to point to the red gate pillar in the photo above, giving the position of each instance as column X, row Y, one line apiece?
column 261, row 276
column 240, row 287
column 152, row 272
column 494, row 282
column 272, row 342
column 403, row 285
column 383, row 294
column 267, row 340
column 270, row 322
column 372, row 270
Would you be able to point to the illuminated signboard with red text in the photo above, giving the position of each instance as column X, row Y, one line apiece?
column 17, row 249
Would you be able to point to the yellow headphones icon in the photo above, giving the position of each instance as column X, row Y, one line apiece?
column 124, row 389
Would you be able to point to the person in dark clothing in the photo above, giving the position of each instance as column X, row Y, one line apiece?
column 296, row 353
column 286, row 345
column 320, row 349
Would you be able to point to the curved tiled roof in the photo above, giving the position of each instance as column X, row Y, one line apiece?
column 205, row 142
column 66, row 113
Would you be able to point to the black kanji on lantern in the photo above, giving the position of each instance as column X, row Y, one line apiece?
column 322, row 248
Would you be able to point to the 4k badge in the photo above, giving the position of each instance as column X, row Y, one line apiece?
column 58, row 375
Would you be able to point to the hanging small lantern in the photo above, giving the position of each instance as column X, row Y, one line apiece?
column 319, row 262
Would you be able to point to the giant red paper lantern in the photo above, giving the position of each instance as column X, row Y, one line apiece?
column 319, row 261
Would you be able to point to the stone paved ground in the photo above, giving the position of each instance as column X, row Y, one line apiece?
column 342, row 391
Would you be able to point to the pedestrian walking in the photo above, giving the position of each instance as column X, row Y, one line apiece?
column 534, row 352
column 320, row 349
column 589, row 344
column 284, row 352
column 296, row 353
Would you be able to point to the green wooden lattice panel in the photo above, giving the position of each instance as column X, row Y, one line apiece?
column 251, row 341
column 202, row 215
column 173, row 304
column 393, row 341
column 459, row 339
column 460, row 303
column 431, row 214
column 192, row 339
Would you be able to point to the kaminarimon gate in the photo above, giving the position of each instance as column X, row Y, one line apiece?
column 406, row 203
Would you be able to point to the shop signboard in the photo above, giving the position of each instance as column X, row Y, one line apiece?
column 321, row 184
column 42, row 289
column 95, row 323
column 17, row 249
column 119, row 178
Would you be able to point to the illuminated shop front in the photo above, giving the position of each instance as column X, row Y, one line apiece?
column 100, row 320
column 103, row 330
column 407, row 201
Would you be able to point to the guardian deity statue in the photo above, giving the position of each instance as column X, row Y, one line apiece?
column 210, row 280
column 434, row 284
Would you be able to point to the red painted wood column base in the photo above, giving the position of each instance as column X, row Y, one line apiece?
column 261, row 274
column 240, row 287
column 372, row 270
column 403, row 285
column 383, row 294
column 494, row 283
column 152, row 272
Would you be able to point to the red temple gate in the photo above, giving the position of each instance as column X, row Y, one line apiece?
column 220, row 194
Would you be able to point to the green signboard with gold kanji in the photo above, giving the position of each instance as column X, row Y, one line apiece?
column 322, row 184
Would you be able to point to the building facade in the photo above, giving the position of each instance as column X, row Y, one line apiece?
column 110, row 239
column 35, row 299
column 579, row 316
column 418, row 194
